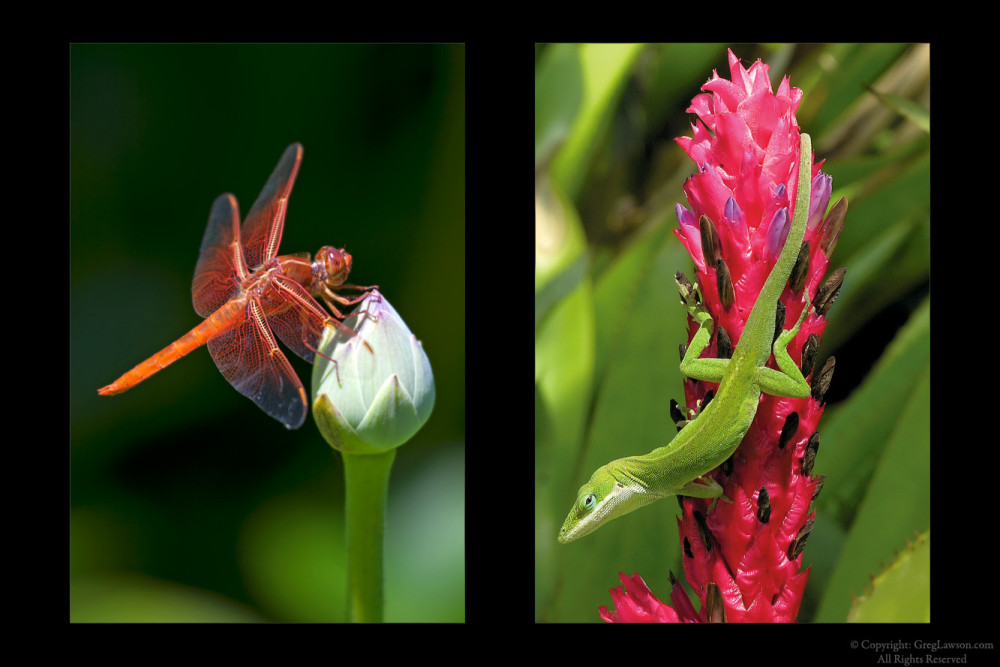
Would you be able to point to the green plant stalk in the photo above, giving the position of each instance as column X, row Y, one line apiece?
column 367, row 487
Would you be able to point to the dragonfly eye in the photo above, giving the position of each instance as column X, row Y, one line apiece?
column 337, row 264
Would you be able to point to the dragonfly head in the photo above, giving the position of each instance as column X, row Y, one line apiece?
column 337, row 264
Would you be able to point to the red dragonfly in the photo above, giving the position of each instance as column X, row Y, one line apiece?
column 245, row 292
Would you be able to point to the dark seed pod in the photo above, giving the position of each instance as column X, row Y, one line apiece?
column 822, row 382
column 788, row 430
column 714, row 606
column 703, row 531
column 727, row 293
column 809, row 458
column 763, row 506
column 799, row 543
column 728, row 465
column 819, row 486
column 684, row 286
column 832, row 226
column 809, row 351
column 711, row 248
column 797, row 279
column 779, row 321
column 829, row 292
column 724, row 344
column 677, row 415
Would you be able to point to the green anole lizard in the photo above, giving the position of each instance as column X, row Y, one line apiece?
column 707, row 441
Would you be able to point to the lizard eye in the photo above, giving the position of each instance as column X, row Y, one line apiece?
column 589, row 501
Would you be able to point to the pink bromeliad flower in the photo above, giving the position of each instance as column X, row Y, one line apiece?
column 743, row 559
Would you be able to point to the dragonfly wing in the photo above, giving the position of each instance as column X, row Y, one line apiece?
column 220, row 265
column 295, row 316
column 249, row 358
column 266, row 220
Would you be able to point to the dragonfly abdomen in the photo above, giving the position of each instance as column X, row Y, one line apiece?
column 219, row 322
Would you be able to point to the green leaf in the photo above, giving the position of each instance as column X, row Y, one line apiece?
column 860, row 429
column 908, row 109
column 901, row 593
column 604, row 69
column 558, row 96
column 560, row 246
column 125, row 597
column 896, row 502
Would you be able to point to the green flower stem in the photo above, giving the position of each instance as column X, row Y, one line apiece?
column 367, row 482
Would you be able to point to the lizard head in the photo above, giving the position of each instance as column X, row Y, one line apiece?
column 605, row 497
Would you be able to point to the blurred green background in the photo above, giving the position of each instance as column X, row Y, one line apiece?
column 608, row 174
column 187, row 502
